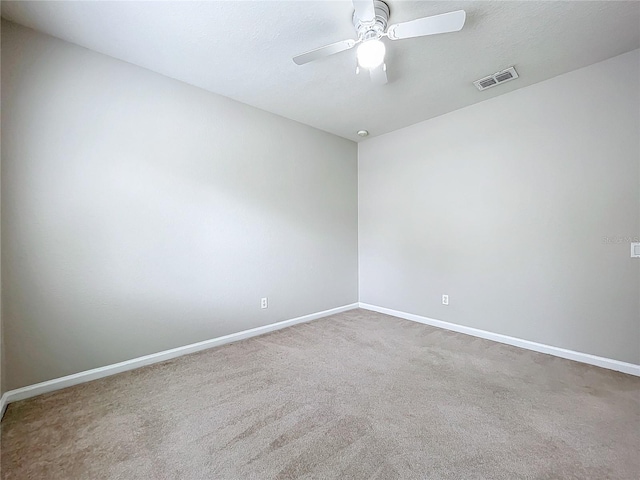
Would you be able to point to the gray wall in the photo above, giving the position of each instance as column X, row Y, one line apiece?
column 1, row 338
column 140, row 213
column 504, row 206
column 2, row 363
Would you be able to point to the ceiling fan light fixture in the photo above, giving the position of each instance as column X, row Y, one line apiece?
column 371, row 53
column 371, row 22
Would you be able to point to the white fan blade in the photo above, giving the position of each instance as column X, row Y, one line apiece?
column 447, row 22
column 365, row 10
column 379, row 75
column 324, row 51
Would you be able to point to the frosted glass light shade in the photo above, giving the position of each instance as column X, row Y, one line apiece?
column 370, row 54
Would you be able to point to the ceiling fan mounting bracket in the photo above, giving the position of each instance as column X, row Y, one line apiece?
column 376, row 27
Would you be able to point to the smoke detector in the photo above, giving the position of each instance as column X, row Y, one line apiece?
column 496, row 79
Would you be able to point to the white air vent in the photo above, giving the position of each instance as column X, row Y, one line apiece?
column 496, row 79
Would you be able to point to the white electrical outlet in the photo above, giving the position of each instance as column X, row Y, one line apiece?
column 264, row 303
column 445, row 299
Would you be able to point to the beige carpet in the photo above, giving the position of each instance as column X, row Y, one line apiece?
column 358, row 395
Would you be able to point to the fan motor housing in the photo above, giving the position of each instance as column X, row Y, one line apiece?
column 376, row 27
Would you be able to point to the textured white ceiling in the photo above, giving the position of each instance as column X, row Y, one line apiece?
column 243, row 50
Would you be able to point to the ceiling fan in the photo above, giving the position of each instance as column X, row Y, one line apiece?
column 370, row 19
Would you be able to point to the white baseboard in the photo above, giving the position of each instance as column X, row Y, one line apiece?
column 603, row 362
column 3, row 404
column 101, row 372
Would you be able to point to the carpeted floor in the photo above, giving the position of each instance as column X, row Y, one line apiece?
column 357, row 395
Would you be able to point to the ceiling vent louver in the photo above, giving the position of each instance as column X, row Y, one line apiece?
column 488, row 82
column 496, row 79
